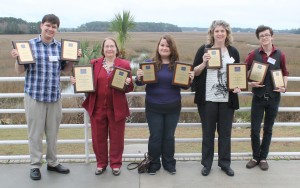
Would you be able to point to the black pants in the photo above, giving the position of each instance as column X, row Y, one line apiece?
column 216, row 115
column 162, row 121
column 260, row 107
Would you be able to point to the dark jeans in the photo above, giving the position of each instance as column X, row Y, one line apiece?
column 162, row 126
column 261, row 106
column 216, row 115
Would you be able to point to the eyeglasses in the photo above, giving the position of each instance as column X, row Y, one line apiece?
column 263, row 36
column 109, row 46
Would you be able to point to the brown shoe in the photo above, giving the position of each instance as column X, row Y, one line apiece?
column 251, row 164
column 263, row 165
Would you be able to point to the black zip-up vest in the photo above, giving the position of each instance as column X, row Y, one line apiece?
column 269, row 87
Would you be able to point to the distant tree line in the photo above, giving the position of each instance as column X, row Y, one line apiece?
column 10, row 25
column 139, row 27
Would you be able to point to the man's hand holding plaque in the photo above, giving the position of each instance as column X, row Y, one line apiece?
column 23, row 52
column 277, row 78
column 258, row 72
column 69, row 50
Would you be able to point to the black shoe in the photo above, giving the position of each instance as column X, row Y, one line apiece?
column 171, row 170
column 228, row 171
column 59, row 168
column 35, row 174
column 99, row 171
column 205, row 171
column 151, row 171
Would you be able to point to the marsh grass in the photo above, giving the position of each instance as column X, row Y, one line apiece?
column 142, row 132
column 188, row 44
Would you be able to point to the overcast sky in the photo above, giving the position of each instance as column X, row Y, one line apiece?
column 279, row 14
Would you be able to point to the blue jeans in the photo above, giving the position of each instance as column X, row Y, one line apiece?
column 261, row 107
column 162, row 126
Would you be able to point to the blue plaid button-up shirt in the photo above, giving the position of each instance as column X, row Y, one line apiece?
column 42, row 81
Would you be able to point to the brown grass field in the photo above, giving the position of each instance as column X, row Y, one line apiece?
column 138, row 43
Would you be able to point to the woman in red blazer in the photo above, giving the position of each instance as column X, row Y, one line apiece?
column 108, row 109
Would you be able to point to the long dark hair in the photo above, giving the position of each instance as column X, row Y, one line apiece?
column 174, row 56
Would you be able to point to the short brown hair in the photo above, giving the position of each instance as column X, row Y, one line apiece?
column 51, row 18
column 262, row 28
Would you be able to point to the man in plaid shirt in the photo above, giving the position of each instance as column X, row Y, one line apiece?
column 42, row 100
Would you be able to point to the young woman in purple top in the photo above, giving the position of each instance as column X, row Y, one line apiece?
column 163, row 106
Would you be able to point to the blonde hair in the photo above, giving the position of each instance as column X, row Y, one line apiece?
column 214, row 24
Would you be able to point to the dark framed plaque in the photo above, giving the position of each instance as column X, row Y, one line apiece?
column 84, row 76
column 25, row 52
column 181, row 74
column 237, row 76
column 149, row 70
column 277, row 78
column 69, row 50
column 119, row 78
column 215, row 61
column 258, row 72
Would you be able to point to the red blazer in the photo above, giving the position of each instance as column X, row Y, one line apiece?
column 121, row 109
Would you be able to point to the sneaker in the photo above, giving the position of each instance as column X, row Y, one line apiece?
column 263, row 165
column 251, row 164
column 151, row 171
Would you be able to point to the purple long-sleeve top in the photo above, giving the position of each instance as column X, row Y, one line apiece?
column 162, row 92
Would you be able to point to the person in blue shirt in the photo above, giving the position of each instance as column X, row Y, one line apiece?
column 43, row 105
column 163, row 106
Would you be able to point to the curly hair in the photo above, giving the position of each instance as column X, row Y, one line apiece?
column 226, row 26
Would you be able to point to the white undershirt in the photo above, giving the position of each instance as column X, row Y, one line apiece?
column 216, row 82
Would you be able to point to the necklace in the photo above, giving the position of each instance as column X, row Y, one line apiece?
column 108, row 68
